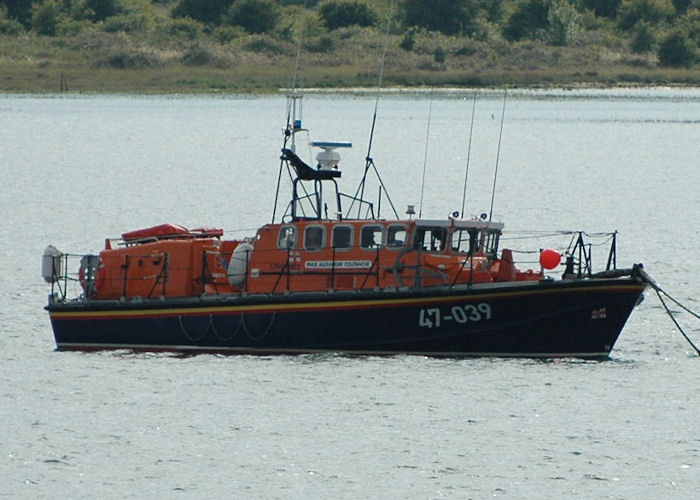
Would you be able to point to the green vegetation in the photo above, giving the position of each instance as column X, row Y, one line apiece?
column 346, row 13
column 255, row 16
column 251, row 45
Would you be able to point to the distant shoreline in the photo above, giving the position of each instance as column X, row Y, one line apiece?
column 358, row 91
column 24, row 79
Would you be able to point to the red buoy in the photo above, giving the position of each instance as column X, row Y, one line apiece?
column 549, row 259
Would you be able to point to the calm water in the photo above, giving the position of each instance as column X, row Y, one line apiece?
column 74, row 170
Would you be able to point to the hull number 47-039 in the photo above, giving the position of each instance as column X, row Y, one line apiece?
column 434, row 317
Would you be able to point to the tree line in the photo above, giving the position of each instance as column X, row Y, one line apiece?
column 670, row 29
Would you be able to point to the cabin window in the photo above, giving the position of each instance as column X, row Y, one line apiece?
column 371, row 236
column 396, row 235
column 431, row 238
column 342, row 237
column 465, row 240
column 314, row 237
column 491, row 243
column 288, row 238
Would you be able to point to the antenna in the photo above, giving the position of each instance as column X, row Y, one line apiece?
column 469, row 153
column 425, row 155
column 369, row 162
column 379, row 86
column 298, row 55
column 498, row 153
column 290, row 128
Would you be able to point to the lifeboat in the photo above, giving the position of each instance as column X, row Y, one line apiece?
column 331, row 275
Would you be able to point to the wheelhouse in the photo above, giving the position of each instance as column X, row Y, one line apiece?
column 471, row 237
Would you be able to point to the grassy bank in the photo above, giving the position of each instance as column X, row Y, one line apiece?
column 102, row 62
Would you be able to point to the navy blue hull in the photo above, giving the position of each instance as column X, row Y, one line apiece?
column 581, row 318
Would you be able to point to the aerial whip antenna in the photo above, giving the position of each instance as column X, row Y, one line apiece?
column 369, row 162
column 498, row 153
column 425, row 155
column 379, row 87
column 469, row 153
column 289, row 130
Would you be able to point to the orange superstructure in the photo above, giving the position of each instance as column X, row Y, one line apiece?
column 301, row 256
column 154, row 262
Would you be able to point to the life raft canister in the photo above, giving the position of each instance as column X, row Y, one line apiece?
column 51, row 264
column 238, row 265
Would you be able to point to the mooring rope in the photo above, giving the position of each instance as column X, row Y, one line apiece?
column 670, row 314
column 660, row 291
column 681, row 305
